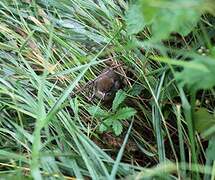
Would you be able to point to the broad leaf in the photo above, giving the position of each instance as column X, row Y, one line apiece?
column 139, row 15
column 106, row 124
column 183, row 19
column 119, row 98
column 124, row 113
column 196, row 79
column 97, row 111
column 203, row 120
column 211, row 149
column 135, row 19
column 165, row 17
column 108, row 121
column 117, row 127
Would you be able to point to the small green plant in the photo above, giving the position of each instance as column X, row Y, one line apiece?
column 112, row 120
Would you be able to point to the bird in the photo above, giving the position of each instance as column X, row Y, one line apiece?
column 107, row 84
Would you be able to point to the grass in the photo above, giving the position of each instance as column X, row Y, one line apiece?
column 51, row 49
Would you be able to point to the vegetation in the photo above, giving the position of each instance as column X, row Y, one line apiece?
column 160, row 124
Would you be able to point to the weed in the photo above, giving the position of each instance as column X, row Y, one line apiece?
column 112, row 120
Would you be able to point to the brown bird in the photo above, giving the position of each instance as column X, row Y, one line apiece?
column 106, row 85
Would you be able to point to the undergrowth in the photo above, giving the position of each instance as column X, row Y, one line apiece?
column 161, row 123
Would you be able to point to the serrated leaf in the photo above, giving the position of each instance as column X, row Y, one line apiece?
column 106, row 124
column 124, row 113
column 197, row 79
column 108, row 121
column 203, row 120
column 119, row 98
column 97, row 111
column 117, row 127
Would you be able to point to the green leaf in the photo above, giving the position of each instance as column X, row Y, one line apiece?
column 103, row 128
column 188, row 20
column 124, row 113
column 119, row 98
column 97, row 111
column 183, row 20
column 14, row 175
column 148, row 9
column 136, row 90
column 196, row 79
column 139, row 15
column 106, row 124
column 211, row 149
column 117, row 127
column 165, row 17
column 135, row 19
column 203, row 120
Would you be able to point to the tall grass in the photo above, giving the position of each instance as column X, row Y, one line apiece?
column 48, row 51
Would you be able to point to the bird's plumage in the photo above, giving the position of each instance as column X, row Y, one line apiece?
column 107, row 84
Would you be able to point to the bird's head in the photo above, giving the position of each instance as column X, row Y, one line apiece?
column 107, row 85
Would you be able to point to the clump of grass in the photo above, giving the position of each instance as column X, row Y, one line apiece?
column 50, row 49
